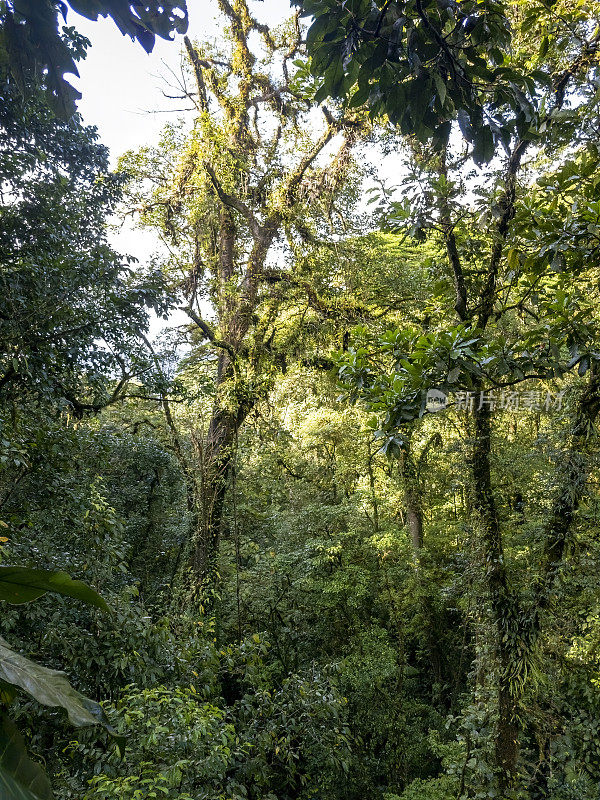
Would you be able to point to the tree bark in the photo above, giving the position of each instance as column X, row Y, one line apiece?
column 412, row 500
column 216, row 460
column 414, row 520
column 502, row 600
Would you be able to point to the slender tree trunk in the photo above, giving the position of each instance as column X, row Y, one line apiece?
column 412, row 500
column 138, row 559
column 501, row 597
column 374, row 503
column 414, row 519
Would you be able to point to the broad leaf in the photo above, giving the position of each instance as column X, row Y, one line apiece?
column 36, row 51
column 484, row 148
column 49, row 687
column 140, row 21
column 22, row 585
column 20, row 777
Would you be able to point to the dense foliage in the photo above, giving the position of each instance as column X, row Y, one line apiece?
column 335, row 535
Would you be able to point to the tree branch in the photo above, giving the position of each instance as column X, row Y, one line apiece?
column 208, row 331
column 233, row 202
column 197, row 67
column 507, row 208
column 297, row 175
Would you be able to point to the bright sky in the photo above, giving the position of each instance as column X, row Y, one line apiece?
column 123, row 87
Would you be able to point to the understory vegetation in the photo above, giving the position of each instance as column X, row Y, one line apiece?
column 307, row 506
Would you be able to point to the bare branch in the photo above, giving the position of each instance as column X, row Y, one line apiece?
column 197, row 67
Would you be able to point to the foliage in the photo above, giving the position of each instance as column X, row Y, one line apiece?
column 20, row 777
column 180, row 746
column 56, row 194
column 280, row 741
column 22, row 585
column 47, row 687
column 425, row 63
column 71, row 311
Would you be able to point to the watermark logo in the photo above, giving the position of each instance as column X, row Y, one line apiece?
column 505, row 400
column 436, row 401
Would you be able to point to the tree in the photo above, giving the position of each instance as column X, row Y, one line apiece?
column 519, row 290
column 70, row 321
column 404, row 587
column 236, row 201
column 424, row 63
column 71, row 310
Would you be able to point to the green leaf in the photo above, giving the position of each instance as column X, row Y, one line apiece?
column 139, row 20
column 334, row 77
column 440, row 87
column 316, row 31
column 483, row 150
column 441, row 135
column 22, row 585
column 49, row 687
column 20, row 777
column 321, row 94
column 37, row 52
column 36, row 49
column 360, row 97
column 464, row 123
column 513, row 258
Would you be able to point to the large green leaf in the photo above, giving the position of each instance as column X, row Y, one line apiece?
column 22, row 585
column 36, row 51
column 140, row 21
column 20, row 777
column 49, row 687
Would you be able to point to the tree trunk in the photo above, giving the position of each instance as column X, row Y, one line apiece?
column 501, row 598
column 572, row 484
column 412, row 500
column 414, row 519
column 517, row 630
column 217, row 460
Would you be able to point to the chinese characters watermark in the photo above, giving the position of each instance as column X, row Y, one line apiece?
column 494, row 399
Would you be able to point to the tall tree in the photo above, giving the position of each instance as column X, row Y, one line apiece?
column 71, row 316
column 235, row 201
column 70, row 309
column 519, row 283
